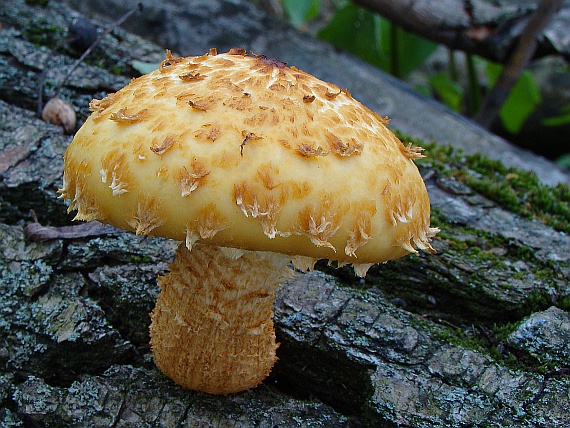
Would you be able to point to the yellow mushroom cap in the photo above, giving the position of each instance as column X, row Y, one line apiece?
column 245, row 152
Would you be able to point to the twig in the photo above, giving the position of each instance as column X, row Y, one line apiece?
column 43, row 76
column 35, row 232
column 96, row 42
column 517, row 62
column 82, row 57
column 474, row 89
column 452, row 65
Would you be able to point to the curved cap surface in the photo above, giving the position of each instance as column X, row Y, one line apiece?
column 246, row 152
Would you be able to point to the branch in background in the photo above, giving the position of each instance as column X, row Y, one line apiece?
column 477, row 26
column 518, row 61
column 272, row 7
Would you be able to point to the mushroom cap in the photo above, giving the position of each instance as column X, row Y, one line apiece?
column 245, row 152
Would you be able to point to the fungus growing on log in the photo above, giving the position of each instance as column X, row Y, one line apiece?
column 274, row 171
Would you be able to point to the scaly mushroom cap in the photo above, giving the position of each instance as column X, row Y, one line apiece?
column 245, row 152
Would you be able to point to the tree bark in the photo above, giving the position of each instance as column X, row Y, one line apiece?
column 453, row 339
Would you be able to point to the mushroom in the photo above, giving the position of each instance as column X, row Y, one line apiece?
column 255, row 167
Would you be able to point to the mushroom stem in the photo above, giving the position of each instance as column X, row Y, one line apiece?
column 212, row 327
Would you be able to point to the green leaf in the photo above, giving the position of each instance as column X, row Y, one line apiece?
column 521, row 101
column 450, row 92
column 301, row 11
column 412, row 50
column 424, row 90
column 375, row 40
column 356, row 30
column 557, row 120
column 564, row 161
column 563, row 119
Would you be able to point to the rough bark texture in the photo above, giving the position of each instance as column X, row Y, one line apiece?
column 477, row 335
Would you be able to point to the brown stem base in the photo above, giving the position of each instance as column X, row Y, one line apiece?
column 211, row 328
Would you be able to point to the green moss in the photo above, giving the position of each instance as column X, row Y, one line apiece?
column 519, row 275
column 459, row 279
column 474, row 245
column 564, row 303
column 516, row 190
column 479, row 247
column 490, row 339
column 140, row 260
column 536, row 302
column 512, row 359
column 520, row 191
column 457, row 337
column 491, row 342
column 117, row 70
column 43, row 33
